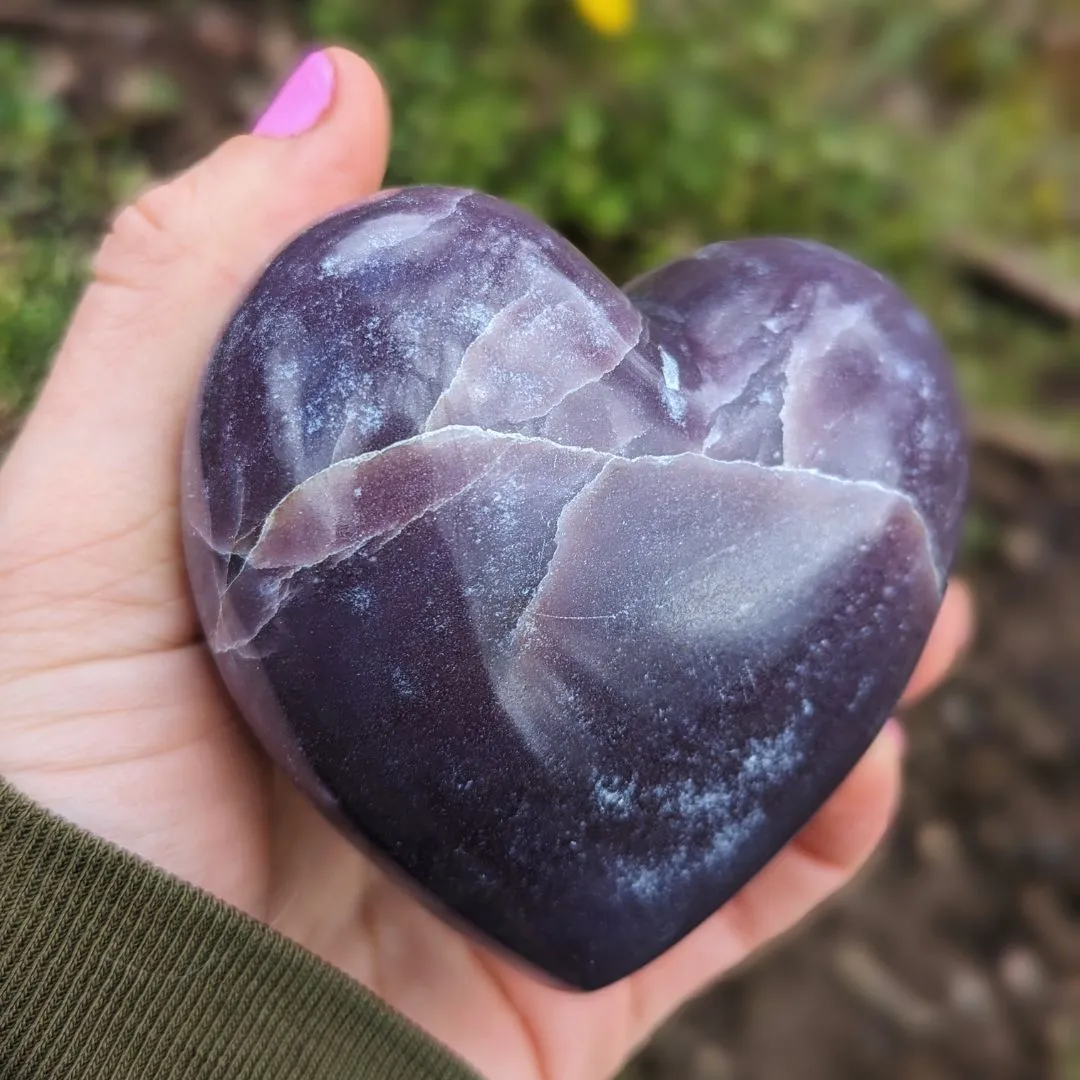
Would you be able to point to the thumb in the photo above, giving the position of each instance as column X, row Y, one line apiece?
column 89, row 536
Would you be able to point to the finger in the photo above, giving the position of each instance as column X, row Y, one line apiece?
column 89, row 548
column 950, row 636
column 822, row 858
column 846, row 830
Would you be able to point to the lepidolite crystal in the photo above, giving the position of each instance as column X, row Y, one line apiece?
column 572, row 604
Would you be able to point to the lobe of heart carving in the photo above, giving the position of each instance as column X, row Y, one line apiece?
column 570, row 604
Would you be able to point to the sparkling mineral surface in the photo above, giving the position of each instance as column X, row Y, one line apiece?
column 572, row 604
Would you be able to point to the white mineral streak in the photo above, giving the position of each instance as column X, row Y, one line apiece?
column 726, row 596
column 508, row 373
column 706, row 586
column 329, row 513
column 235, row 634
column 674, row 401
column 868, row 448
column 285, row 401
column 624, row 352
column 197, row 511
column 606, row 416
column 382, row 233
column 716, row 818
column 362, row 421
column 737, row 336
column 672, row 552
column 439, row 417
column 670, row 367
column 828, row 320
column 719, row 395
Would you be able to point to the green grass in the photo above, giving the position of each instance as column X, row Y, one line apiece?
column 58, row 182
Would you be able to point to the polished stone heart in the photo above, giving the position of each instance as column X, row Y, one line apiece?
column 571, row 604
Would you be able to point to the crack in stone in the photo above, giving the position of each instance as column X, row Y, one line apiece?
column 221, row 641
column 447, row 435
column 522, row 666
column 576, row 618
column 590, row 377
column 798, row 355
column 224, row 642
column 782, row 392
column 530, row 608
column 733, row 397
column 377, row 543
column 884, row 489
column 367, row 547
column 631, row 348
column 457, row 377
column 451, row 433
column 717, row 432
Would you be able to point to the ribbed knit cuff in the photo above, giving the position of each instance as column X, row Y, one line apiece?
column 111, row 969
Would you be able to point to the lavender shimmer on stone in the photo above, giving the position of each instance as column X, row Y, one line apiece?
column 571, row 604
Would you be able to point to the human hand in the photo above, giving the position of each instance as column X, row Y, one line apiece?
column 111, row 711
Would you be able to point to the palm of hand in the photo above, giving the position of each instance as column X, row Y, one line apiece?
column 112, row 712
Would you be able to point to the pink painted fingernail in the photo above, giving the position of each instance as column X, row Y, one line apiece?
column 302, row 101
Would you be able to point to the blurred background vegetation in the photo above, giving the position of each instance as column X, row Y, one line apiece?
column 937, row 139
column 931, row 137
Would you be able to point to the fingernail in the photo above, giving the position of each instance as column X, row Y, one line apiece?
column 894, row 731
column 301, row 103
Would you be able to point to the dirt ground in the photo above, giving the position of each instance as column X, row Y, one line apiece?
column 958, row 952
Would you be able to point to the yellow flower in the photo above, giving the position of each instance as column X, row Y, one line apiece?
column 610, row 17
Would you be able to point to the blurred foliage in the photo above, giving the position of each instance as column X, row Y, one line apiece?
column 642, row 131
column 877, row 128
column 692, row 125
column 55, row 187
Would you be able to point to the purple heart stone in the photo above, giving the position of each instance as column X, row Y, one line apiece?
column 570, row 604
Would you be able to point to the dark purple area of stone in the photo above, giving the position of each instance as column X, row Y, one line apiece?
column 572, row 604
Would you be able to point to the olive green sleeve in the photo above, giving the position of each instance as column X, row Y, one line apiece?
column 112, row 970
